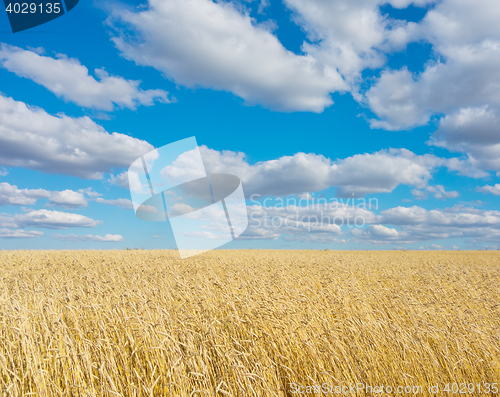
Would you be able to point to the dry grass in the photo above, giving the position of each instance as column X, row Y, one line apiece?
column 245, row 323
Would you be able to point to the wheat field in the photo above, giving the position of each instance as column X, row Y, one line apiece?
column 248, row 323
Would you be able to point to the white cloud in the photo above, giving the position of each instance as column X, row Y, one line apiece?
column 68, row 199
column 396, row 100
column 126, row 204
column 466, row 38
column 418, row 224
column 302, row 174
column 328, row 222
column 70, row 80
column 122, row 180
column 379, row 234
column 490, row 189
column 211, row 44
column 46, row 219
column 31, row 138
column 465, row 167
column 437, row 191
column 349, row 35
column 474, row 131
column 406, row 3
column 419, row 194
column 3, row 172
column 108, row 238
column 11, row 195
column 6, row 233
column 188, row 166
column 89, row 192
column 438, row 247
column 462, row 83
column 457, row 216
column 315, row 222
column 380, row 172
column 183, row 209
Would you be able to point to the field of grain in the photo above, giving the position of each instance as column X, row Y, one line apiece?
column 247, row 323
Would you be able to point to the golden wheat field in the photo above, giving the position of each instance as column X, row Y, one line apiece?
column 248, row 323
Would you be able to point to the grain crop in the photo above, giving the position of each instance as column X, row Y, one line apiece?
column 248, row 323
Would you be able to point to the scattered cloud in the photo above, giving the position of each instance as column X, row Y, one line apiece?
column 68, row 199
column 304, row 173
column 350, row 36
column 473, row 131
column 120, row 180
column 355, row 176
column 460, row 85
column 379, row 234
column 316, row 222
column 490, row 189
column 70, row 80
column 7, row 233
column 11, row 195
column 89, row 192
column 213, row 45
column 108, row 238
column 333, row 221
column 122, row 203
column 46, row 219
column 457, row 216
column 31, row 138
column 437, row 191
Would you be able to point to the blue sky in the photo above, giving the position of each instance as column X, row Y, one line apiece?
column 393, row 103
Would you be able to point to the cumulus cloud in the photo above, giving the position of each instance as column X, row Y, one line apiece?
column 489, row 189
column 89, row 192
column 213, row 45
column 7, row 233
column 120, row 180
column 70, row 80
column 380, row 172
column 414, row 224
column 466, row 38
column 108, row 238
column 10, row 194
column 473, row 131
column 462, row 83
column 46, row 219
column 32, row 138
column 122, row 203
column 313, row 222
column 350, row 35
column 457, row 216
column 379, row 234
column 336, row 222
column 68, row 199
column 304, row 173
column 218, row 45
column 437, row 191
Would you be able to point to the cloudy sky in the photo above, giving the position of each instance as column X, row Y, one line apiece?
column 352, row 124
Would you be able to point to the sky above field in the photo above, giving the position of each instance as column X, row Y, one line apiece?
column 352, row 124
